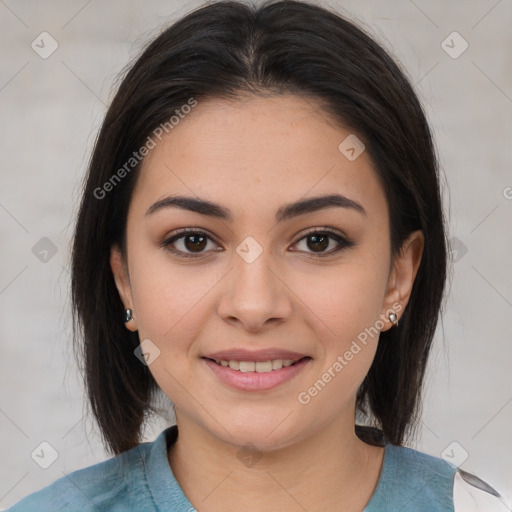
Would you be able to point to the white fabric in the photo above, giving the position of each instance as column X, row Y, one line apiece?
column 468, row 498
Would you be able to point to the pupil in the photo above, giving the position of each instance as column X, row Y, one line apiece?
column 195, row 246
column 316, row 239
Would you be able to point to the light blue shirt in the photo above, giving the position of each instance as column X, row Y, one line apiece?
column 141, row 480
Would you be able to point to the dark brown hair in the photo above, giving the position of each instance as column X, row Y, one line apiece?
column 223, row 50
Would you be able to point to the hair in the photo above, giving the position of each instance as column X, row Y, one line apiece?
column 224, row 50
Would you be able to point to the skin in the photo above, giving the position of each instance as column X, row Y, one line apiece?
column 253, row 156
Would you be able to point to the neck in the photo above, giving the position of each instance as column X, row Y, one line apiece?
column 329, row 467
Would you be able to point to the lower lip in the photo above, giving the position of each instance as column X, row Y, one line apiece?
column 254, row 381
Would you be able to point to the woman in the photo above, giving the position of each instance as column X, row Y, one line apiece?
column 261, row 238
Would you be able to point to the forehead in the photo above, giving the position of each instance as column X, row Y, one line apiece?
column 262, row 149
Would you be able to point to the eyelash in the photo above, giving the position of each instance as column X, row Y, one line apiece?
column 341, row 240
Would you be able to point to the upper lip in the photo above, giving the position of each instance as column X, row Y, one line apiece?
column 241, row 354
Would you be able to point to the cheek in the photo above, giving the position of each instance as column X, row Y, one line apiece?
column 343, row 315
column 168, row 296
column 343, row 312
column 171, row 302
column 342, row 302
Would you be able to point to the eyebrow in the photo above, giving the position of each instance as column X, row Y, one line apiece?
column 285, row 212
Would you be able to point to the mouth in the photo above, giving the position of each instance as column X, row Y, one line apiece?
column 256, row 366
column 262, row 375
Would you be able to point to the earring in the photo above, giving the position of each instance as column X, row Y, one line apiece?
column 393, row 319
column 127, row 315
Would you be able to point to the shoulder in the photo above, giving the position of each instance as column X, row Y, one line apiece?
column 421, row 479
column 113, row 485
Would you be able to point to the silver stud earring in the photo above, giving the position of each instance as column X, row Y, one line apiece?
column 393, row 319
column 127, row 315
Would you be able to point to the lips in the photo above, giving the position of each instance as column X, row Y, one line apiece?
column 255, row 380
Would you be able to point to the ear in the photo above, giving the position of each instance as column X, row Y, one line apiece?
column 401, row 279
column 122, row 280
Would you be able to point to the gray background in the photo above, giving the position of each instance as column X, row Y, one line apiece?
column 50, row 112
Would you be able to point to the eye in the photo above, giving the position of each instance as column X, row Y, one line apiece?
column 191, row 243
column 319, row 239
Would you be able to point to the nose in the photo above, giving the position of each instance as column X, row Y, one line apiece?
column 254, row 296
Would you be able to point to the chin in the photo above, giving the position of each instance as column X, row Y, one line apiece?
column 263, row 435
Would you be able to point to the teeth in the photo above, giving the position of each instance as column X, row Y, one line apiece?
column 247, row 366
column 277, row 364
column 263, row 366
column 259, row 367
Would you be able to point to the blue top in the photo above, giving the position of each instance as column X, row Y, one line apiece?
column 141, row 479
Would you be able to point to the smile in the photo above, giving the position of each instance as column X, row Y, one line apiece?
column 256, row 375
column 259, row 366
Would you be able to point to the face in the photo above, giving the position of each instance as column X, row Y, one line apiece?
column 263, row 283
